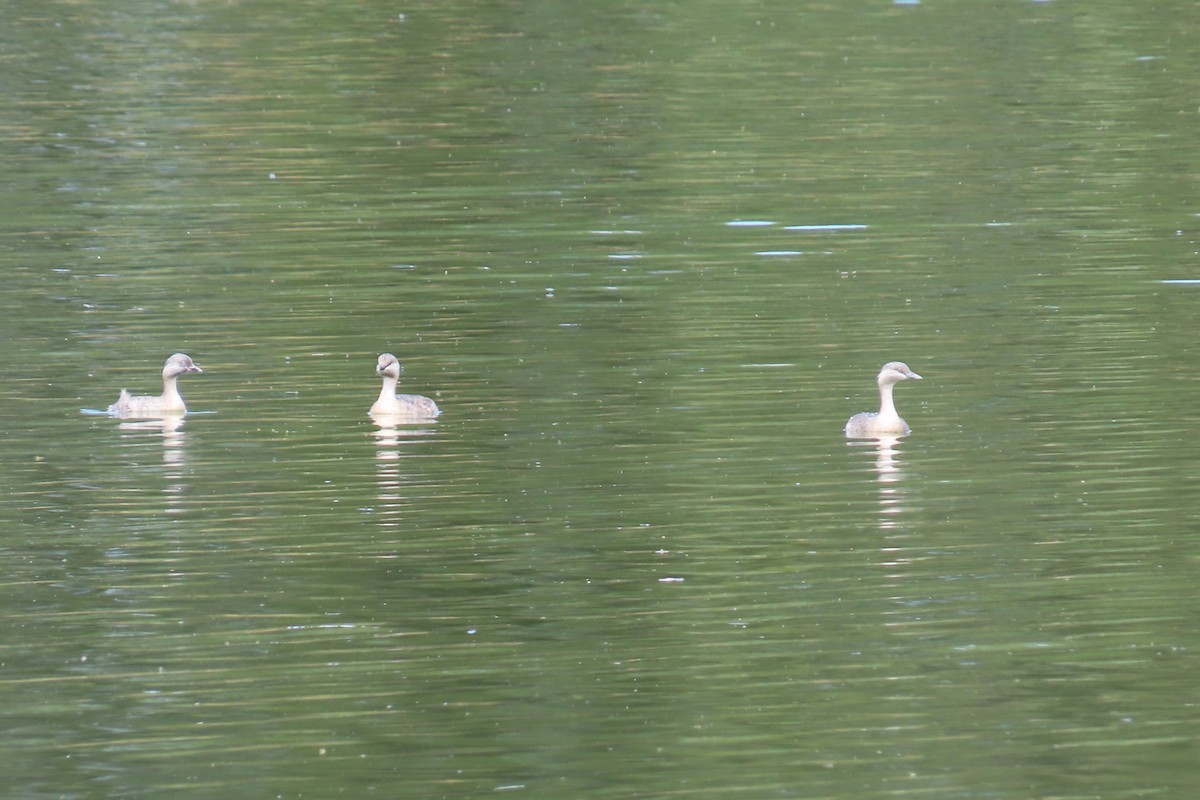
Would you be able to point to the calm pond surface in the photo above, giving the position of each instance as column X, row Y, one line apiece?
column 647, row 259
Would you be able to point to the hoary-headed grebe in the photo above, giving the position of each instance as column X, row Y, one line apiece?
column 169, row 402
column 886, row 420
column 400, row 405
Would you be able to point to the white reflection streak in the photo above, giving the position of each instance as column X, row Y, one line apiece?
column 174, row 443
column 391, row 432
column 889, row 472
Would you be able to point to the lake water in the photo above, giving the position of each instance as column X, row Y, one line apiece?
column 647, row 260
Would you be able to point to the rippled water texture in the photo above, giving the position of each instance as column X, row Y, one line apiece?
column 647, row 260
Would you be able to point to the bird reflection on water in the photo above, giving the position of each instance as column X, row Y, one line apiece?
column 889, row 474
column 393, row 432
column 174, row 448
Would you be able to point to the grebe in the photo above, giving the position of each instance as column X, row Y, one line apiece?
column 392, row 404
column 169, row 402
column 886, row 420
